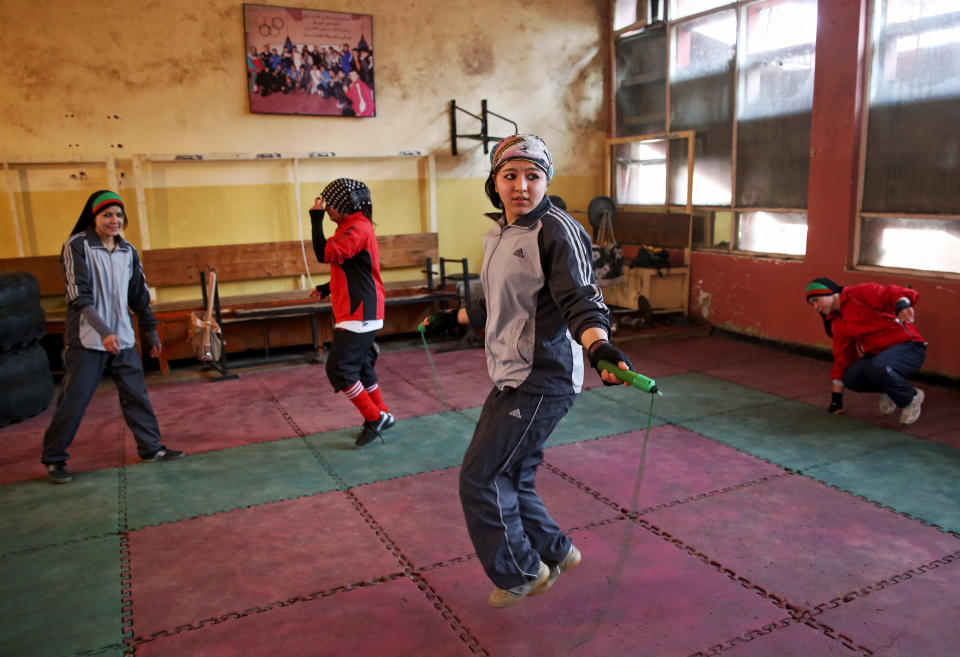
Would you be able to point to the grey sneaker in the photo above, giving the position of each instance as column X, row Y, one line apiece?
column 503, row 598
column 164, row 454
column 571, row 560
column 911, row 412
column 58, row 473
column 887, row 405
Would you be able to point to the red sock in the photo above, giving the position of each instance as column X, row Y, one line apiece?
column 362, row 401
column 374, row 392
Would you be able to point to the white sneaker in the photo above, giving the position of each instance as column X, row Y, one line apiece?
column 911, row 412
column 502, row 598
column 887, row 405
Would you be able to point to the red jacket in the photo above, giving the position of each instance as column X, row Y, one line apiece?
column 867, row 323
column 356, row 291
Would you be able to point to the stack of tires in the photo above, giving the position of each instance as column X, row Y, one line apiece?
column 26, row 384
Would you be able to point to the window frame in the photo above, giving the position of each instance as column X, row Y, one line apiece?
column 692, row 211
column 857, row 256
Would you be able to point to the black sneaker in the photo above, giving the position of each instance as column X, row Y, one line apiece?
column 164, row 454
column 371, row 429
column 58, row 473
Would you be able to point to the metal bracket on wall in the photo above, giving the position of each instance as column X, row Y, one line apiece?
column 483, row 135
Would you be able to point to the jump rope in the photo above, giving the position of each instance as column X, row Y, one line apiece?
column 638, row 381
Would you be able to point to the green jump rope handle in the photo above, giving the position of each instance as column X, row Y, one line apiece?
column 635, row 379
column 420, row 328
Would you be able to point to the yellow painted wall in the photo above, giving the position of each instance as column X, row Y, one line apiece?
column 115, row 78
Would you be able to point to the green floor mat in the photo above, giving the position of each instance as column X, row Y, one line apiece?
column 597, row 413
column 62, row 601
column 417, row 444
column 917, row 477
column 222, row 480
column 795, row 435
column 37, row 513
column 691, row 395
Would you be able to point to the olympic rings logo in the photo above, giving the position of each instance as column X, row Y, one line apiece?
column 269, row 25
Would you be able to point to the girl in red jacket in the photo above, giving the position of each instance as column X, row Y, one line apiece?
column 875, row 342
column 356, row 296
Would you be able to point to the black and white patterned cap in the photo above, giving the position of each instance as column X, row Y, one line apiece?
column 347, row 196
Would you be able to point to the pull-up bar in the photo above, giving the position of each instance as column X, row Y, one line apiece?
column 482, row 136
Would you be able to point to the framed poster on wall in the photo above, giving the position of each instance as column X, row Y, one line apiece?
column 306, row 61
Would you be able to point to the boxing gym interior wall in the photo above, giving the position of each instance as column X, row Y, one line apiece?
column 126, row 86
column 141, row 79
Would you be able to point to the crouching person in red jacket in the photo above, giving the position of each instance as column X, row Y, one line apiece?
column 875, row 342
column 357, row 298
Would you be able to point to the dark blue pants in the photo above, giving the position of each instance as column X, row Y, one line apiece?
column 506, row 519
column 83, row 369
column 887, row 371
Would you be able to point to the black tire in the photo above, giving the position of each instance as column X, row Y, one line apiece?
column 22, row 320
column 26, row 385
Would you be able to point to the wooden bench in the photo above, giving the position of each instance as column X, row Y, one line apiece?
column 270, row 319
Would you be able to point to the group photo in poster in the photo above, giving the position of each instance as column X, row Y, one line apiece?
column 305, row 61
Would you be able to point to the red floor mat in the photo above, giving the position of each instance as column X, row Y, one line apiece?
column 656, row 601
column 917, row 616
column 806, row 376
column 229, row 425
column 96, row 445
column 391, row 619
column 230, row 562
column 792, row 639
column 423, row 514
column 702, row 353
column 802, row 539
column 680, row 464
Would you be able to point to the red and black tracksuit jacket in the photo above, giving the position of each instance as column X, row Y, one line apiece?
column 356, row 290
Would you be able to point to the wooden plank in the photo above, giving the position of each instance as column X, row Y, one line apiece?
column 237, row 262
column 46, row 269
column 234, row 262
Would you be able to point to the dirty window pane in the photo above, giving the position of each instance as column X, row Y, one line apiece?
column 927, row 244
column 701, row 93
column 624, row 13
column 914, row 84
column 772, row 232
column 775, row 97
column 681, row 8
column 641, row 84
column 640, row 173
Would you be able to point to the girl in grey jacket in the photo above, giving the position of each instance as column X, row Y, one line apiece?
column 104, row 281
column 541, row 303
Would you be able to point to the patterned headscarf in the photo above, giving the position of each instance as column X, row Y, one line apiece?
column 347, row 196
column 522, row 147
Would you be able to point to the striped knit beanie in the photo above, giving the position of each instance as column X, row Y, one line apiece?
column 822, row 287
column 96, row 203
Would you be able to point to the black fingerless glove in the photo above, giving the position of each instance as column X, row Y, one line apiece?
column 324, row 290
column 603, row 350
column 441, row 322
column 836, row 403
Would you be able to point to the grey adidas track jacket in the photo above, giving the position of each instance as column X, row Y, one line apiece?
column 540, row 295
column 102, row 287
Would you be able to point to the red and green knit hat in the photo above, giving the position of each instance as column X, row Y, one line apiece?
column 103, row 199
column 822, row 287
